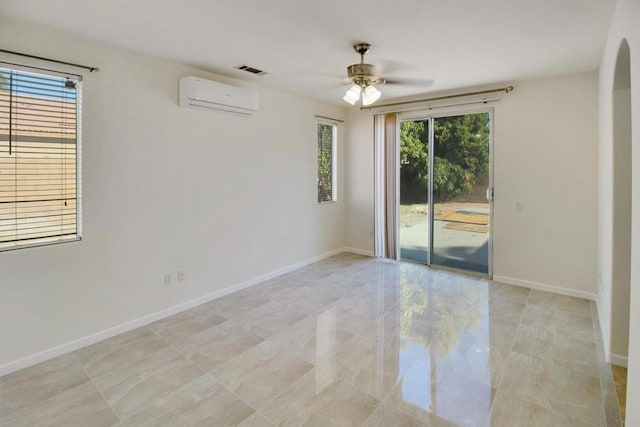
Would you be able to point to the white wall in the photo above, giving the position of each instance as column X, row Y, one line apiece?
column 223, row 198
column 623, row 26
column 360, row 186
column 545, row 159
column 621, row 230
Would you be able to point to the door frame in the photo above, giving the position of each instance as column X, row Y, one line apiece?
column 428, row 114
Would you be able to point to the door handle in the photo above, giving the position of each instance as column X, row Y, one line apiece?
column 490, row 194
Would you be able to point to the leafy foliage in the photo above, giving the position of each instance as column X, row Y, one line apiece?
column 414, row 151
column 325, row 163
column 461, row 155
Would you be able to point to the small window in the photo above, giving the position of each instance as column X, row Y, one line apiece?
column 327, row 140
column 39, row 144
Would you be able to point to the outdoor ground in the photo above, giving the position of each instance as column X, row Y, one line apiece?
column 460, row 234
column 456, row 214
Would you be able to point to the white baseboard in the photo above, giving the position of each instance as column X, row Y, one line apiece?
column 79, row 343
column 604, row 333
column 545, row 287
column 358, row 251
column 616, row 359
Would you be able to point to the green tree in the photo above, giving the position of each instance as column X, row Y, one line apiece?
column 325, row 163
column 461, row 155
column 414, row 151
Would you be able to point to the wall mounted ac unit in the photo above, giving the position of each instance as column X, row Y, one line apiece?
column 209, row 95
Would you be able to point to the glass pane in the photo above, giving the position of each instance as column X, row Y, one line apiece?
column 38, row 138
column 414, row 190
column 325, row 163
column 460, row 183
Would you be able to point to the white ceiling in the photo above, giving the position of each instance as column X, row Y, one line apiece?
column 305, row 46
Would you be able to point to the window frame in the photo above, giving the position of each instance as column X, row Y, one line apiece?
column 334, row 161
column 77, row 236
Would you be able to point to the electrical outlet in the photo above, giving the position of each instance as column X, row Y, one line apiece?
column 168, row 280
column 180, row 276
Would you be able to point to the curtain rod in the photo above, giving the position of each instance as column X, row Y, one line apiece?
column 506, row 89
column 86, row 67
column 328, row 118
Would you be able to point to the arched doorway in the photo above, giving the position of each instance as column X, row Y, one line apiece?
column 622, row 173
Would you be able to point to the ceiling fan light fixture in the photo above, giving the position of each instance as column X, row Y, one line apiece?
column 353, row 94
column 370, row 95
column 363, row 76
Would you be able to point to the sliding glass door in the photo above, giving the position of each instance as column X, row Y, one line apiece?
column 445, row 193
column 414, row 190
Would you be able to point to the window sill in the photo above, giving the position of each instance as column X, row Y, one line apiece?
column 331, row 202
column 42, row 242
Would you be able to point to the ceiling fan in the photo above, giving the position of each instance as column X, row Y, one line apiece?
column 364, row 77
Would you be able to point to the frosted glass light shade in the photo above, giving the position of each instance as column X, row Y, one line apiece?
column 370, row 95
column 353, row 94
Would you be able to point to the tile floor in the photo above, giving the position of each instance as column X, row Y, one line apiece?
column 350, row 341
column 620, row 381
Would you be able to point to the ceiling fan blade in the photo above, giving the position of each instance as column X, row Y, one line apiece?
column 409, row 82
column 387, row 67
column 322, row 74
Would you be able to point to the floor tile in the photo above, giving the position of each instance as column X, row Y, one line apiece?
column 369, row 366
column 203, row 402
column 270, row 318
column 348, row 341
column 507, row 309
column 510, row 411
column 620, row 381
column 215, row 346
column 256, row 420
column 558, row 346
column 183, row 325
column 502, row 333
column 578, row 324
column 560, row 302
column 133, row 388
column 514, row 293
column 79, row 406
column 388, row 416
column 319, row 399
column 121, row 350
column 553, row 386
column 234, row 305
column 361, row 318
column 437, row 400
column 258, row 374
column 32, row 385
column 612, row 410
column 311, row 298
column 480, row 364
column 314, row 338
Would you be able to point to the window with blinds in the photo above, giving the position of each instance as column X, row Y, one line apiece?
column 39, row 119
column 327, row 135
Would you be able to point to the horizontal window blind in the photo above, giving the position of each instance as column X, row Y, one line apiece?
column 38, row 158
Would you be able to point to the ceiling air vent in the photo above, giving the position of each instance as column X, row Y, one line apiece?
column 250, row 70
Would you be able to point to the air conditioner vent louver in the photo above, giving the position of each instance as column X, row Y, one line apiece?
column 251, row 70
column 214, row 96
